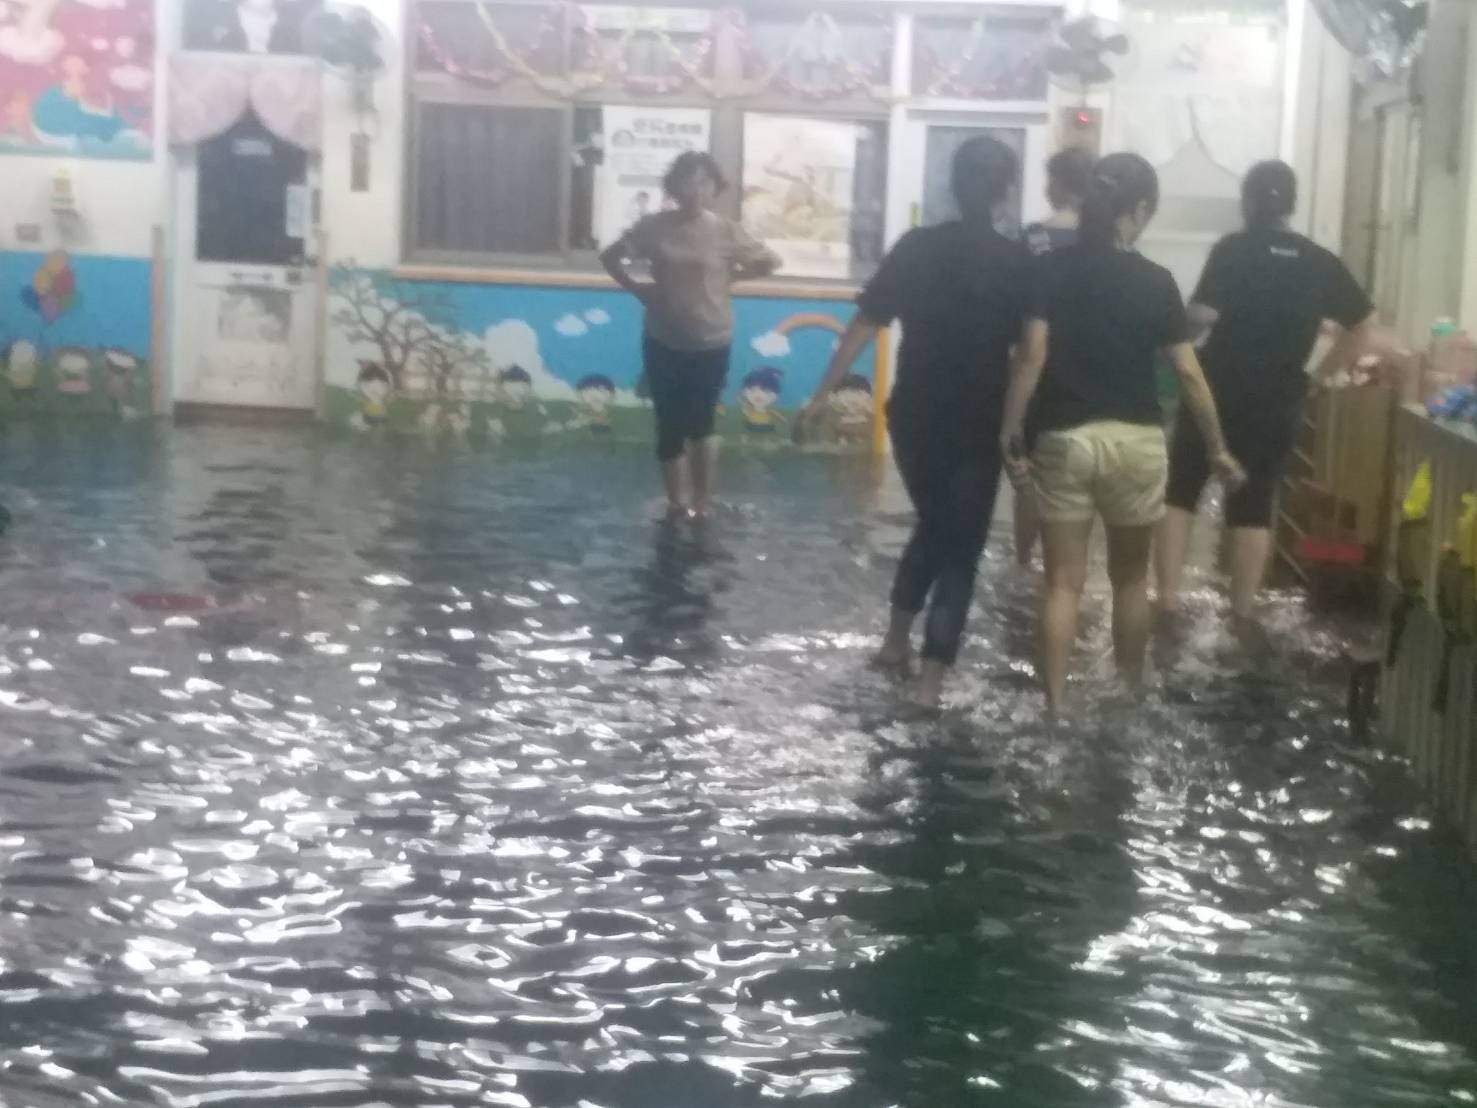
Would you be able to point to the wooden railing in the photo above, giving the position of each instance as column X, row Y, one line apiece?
column 1428, row 694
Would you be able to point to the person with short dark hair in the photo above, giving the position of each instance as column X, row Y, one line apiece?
column 1088, row 363
column 1067, row 175
column 695, row 255
column 1264, row 296
column 962, row 291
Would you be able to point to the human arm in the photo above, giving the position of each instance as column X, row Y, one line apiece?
column 616, row 258
column 752, row 260
column 1202, row 321
column 1201, row 402
column 1351, row 344
column 1026, row 366
column 860, row 332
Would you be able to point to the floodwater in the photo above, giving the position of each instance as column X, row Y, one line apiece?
column 474, row 785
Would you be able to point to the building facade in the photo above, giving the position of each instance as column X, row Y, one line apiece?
column 389, row 212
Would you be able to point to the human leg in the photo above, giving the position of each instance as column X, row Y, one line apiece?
column 1189, row 470
column 664, row 379
column 1064, row 546
column 1128, row 572
column 1263, row 450
column 1130, row 495
column 710, row 371
column 967, row 504
column 1066, row 467
column 918, row 568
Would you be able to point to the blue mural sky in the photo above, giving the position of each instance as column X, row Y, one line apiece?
column 112, row 306
column 582, row 332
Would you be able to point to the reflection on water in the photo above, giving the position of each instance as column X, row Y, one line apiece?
column 344, row 776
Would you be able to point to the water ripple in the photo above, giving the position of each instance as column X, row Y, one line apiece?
column 331, row 776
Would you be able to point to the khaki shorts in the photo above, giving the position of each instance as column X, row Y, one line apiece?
column 1116, row 470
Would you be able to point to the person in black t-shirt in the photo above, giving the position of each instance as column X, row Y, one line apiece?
column 1088, row 361
column 962, row 292
column 1264, row 296
column 1067, row 174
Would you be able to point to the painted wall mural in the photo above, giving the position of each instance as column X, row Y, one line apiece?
column 526, row 365
column 77, row 77
column 74, row 336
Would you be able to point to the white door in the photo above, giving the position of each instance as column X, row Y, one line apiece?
column 933, row 139
column 246, row 293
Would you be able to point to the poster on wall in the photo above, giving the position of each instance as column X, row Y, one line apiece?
column 799, row 187
column 77, row 78
column 640, row 143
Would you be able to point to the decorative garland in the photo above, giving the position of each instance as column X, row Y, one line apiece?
column 614, row 60
column 847, row 77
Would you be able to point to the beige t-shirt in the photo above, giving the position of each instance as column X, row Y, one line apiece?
column 694, row 262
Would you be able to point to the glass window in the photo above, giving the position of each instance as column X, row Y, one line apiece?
column 987, row 58
column 815, row 190
column 488, row 179
column 819, row 55
column 938, row 168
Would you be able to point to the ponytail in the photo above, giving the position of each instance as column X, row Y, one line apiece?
column 1118, row 185
column 1269, row 195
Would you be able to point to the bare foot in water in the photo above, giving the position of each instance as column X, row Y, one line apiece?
column 893, row 659
column 928, row 692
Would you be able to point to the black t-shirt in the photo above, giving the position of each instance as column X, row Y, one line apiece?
column 962, row 299
column 1110, row 312
column 1043, row 239
column 1273, row 290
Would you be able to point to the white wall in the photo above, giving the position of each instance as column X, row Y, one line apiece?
column 366, row 226
column 1316, row 142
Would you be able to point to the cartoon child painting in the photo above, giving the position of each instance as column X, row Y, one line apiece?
column 596, row 396
column 120, row 381
column 758, row 396
column 73, row 372
column 514, row 388
column 850, row 405
column 375, row 388
column 22, row 361
column 519, row 414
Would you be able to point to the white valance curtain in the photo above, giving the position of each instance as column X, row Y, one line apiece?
column 208, row 93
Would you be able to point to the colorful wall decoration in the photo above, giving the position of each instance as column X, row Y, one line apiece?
column 77, row 78
column 511, row 364
column 74, row 336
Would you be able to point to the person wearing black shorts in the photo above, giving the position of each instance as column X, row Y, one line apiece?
column 962, row 292
column 1264, row 296
column 695, row 255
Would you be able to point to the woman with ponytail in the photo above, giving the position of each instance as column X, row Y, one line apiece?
column 1263, row 298
column 962, row 292
column 1086, row 371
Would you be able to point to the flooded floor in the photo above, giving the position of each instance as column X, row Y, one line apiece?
column 473, row 785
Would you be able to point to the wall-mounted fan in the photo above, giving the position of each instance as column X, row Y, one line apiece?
column 351, row 42
column 1083, row 56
